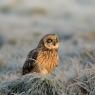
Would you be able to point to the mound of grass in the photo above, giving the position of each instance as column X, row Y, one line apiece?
column 33, row 85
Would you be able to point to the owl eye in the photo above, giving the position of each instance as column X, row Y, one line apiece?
column 49, row 41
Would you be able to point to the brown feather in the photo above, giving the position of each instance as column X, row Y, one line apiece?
column 47, row 60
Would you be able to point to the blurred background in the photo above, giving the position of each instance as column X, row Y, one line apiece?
column 24, row 22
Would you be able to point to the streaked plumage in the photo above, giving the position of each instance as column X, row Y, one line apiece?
column 44, row 58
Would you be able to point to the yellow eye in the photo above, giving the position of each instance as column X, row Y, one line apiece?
column 49, row 40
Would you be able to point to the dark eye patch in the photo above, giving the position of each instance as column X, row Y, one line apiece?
column 49, row 40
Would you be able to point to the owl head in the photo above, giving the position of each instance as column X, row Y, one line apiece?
column 50, row 41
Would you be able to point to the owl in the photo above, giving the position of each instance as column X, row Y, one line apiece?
column 44, row 58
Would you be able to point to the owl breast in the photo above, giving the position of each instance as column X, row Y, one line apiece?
column 47, row 61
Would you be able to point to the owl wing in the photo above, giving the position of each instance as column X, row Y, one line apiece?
column 30, row 62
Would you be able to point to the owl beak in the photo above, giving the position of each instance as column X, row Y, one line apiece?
column 54, row 43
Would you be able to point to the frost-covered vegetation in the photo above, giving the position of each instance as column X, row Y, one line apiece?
column 24, row 22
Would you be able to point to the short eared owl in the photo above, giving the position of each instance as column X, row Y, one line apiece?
column 44, row 58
